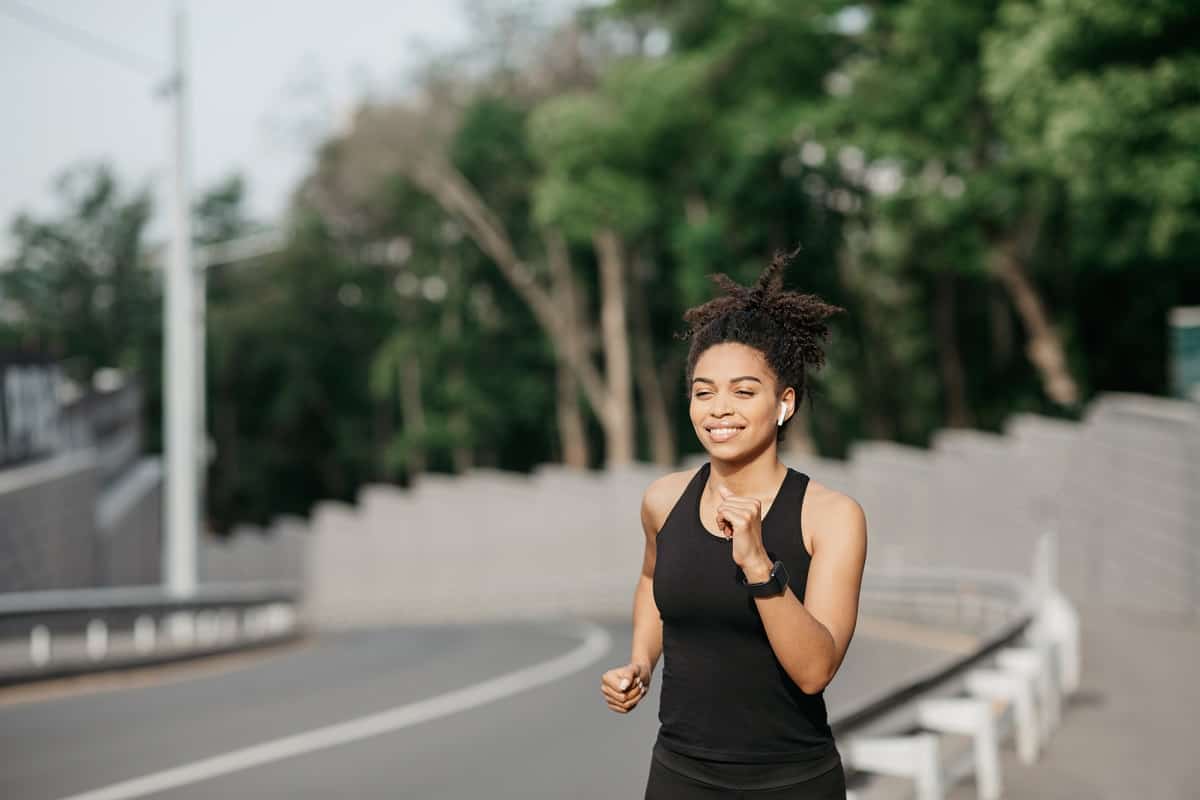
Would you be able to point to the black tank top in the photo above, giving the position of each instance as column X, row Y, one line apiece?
column 729, row 712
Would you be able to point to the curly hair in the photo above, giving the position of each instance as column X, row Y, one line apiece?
column 788, row 328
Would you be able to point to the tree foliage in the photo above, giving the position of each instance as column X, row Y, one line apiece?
column 1004, row 195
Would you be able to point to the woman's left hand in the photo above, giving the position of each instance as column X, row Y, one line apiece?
column 741, row 518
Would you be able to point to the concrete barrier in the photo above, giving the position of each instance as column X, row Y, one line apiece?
column 47, row 524
column 1121, row 488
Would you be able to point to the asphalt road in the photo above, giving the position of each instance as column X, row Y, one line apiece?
column 406, row 712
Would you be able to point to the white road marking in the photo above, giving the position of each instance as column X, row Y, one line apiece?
column 596, row 642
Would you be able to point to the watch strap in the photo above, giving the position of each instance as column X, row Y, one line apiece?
column 775, row 584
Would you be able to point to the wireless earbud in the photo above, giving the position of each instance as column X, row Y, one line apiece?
column 782, row 413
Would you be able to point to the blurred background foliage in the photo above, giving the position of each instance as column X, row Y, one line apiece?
column 1004, row 194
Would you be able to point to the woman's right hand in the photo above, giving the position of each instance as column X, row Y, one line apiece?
column 624, row 687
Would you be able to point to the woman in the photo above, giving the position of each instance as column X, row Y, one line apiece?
column 751, row 574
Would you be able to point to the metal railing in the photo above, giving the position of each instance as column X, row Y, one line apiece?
column 996, row 607
column 919, row 737
column 51, row 634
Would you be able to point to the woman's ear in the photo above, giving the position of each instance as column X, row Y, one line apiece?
column 784, row 408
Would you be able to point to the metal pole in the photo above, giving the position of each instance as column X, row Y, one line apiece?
column 180, row 508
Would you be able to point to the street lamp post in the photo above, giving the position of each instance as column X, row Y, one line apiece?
column 181, row 510
column 185, row 435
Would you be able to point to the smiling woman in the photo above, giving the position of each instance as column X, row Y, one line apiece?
column 751, row 631
column 787, row 329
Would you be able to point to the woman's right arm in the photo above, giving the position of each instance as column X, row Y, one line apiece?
column 624, row 687
column 647, row 624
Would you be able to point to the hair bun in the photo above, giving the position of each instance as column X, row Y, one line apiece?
column 801, row 316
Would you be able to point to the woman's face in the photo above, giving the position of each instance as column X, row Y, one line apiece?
column 733, row 403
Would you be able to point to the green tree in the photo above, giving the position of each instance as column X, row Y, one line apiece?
column 705, row 114
column 1104, row 97
column 77, row 283
column 290, row 345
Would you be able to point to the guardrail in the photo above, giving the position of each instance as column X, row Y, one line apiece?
column 917, row 739
column 50, row 634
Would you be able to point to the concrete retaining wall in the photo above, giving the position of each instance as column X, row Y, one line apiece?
column 251, row 554
column 47, row 526
column 129, row 528
column 1122, row 488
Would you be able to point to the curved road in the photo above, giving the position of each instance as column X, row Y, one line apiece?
column 497, row 710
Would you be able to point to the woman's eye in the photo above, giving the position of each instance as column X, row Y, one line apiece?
column 744, row 392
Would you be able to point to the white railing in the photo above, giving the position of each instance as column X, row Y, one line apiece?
column 919, row 738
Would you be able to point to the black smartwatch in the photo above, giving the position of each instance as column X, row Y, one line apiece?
column 771, row 586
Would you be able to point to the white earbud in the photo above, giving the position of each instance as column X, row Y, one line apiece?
column 782, row 413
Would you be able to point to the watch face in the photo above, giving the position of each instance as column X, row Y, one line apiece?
column 775, row 584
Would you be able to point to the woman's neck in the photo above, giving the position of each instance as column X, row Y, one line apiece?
column 758, row 478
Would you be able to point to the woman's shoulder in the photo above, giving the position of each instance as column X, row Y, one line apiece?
column 664, row 492
column 823, row 494
column 828, row 508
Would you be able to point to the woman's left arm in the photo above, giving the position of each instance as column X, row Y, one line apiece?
column 810, row 638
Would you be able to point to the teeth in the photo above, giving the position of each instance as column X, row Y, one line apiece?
column 723, row 433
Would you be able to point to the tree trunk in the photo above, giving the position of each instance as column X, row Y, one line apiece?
column 617, row 416
column 656, row 412
column 458, row 198
column 958, row 411
column 1044, row 348
column 572, row 433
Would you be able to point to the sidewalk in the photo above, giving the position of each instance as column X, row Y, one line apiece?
column 1129, row 732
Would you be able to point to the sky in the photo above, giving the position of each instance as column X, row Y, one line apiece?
column 269, row 79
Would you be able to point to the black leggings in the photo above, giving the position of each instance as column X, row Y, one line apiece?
column 666, row 784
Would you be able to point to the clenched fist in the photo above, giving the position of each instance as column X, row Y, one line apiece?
column 624, row 687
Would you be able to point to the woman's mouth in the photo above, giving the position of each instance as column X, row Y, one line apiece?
column 723, row 434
